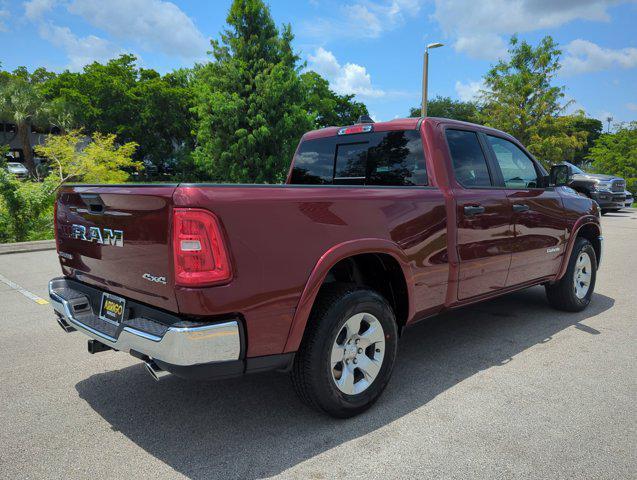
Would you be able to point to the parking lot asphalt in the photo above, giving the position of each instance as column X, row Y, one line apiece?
column 505, row 389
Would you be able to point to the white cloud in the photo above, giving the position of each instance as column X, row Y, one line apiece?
column 355, row 79
column 344, row 79
column 363, row 19
column 631, row 106
column 583, row 56
column 325, row 63
column 154, row 24
column 80, row 50
column 469, row 91
column 482, row 45
column 477, row 27
column 35, row 9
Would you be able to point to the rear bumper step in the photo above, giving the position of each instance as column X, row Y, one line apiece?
column 179, row 346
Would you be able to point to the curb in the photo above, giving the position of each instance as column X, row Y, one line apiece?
column 26, row 247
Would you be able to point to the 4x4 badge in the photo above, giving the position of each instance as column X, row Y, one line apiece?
column 153, row 278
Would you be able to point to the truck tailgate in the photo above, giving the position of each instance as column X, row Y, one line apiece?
column 119, row 238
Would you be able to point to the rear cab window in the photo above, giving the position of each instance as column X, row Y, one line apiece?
column 392, row 158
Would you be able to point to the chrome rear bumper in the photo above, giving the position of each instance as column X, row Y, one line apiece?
column 181, row 346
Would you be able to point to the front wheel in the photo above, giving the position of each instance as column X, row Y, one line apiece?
column 574, row 291
column 348, row 353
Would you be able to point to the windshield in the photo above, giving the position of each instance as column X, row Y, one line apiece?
column 14, row 164
column 575, row 169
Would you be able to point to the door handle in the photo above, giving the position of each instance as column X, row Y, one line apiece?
column 520, row 207
column 471, row 210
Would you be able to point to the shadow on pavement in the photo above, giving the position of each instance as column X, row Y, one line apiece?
column 254, row 426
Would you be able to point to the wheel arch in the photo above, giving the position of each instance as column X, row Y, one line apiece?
column 364, row 253
column 586, row 228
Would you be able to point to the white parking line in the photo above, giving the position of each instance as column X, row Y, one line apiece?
column 23, row 291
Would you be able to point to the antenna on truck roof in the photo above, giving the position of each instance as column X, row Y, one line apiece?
column 364, row 119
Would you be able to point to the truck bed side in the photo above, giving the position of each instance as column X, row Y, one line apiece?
column 278, row 234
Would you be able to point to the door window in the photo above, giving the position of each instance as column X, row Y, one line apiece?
column 518, row 170
column 469, row 162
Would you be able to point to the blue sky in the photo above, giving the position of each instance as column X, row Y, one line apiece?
column 370, row 48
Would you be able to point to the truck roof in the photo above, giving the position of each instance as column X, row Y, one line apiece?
column 411, row 123
column 396, row 124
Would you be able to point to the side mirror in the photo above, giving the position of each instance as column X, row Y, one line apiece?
column 560, row 175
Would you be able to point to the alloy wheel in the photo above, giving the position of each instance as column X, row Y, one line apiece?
column 357, row 353
column 583, row 275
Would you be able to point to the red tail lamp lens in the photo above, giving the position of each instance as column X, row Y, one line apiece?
column 200, row 255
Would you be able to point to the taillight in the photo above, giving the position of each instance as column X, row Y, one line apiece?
column 200, row 256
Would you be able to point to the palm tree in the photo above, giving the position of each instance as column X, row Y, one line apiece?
column 22, row 103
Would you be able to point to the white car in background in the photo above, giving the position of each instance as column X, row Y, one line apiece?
column 629, row 199
column 17, row 169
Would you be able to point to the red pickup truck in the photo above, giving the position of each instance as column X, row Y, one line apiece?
column 378, row 226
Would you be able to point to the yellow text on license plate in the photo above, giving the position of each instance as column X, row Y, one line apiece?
column 113, row 307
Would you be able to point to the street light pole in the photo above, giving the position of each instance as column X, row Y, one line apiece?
column 425, row 74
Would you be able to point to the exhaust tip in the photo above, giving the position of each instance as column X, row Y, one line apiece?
column 154, row 371
column 65, row 326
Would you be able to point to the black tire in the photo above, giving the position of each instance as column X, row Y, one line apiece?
column 562, row 294
column 312, row 371
column 603, row 212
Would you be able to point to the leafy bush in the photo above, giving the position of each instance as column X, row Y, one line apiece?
column 100, row 161
column 26, row 207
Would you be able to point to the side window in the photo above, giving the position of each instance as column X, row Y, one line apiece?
column 517, row 168
column 397, row 158
column 469, row 162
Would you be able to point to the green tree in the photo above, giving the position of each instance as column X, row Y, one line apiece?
column 519, row 97
column 136, row 104
column 560, row 141
column 593, row 128
column 164, row 122
column 446, row 107
column 99, row 161
column 326, row 107
column 248, row 99
column 22, row 102
column 616, row 154
column 26, row 208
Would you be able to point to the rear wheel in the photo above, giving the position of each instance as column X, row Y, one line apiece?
column 348, row 352
column 574, row 291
